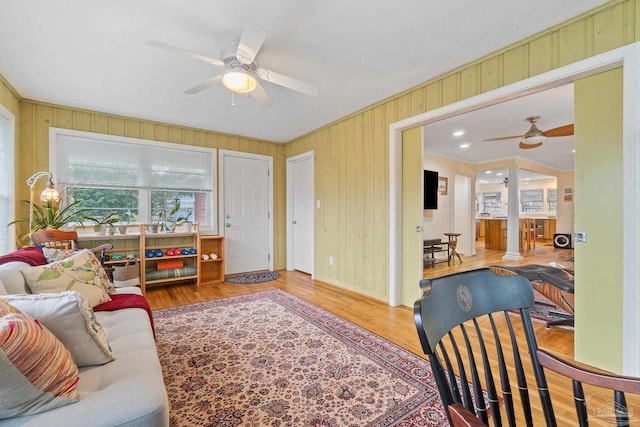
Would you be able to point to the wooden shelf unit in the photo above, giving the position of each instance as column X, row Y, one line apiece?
column 211, row 270
column 137, row 244
column 164, row 242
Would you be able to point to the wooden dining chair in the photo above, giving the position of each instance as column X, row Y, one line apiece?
column 476, row 330
column 60, row 239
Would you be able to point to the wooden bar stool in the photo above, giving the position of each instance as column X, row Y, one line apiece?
column 453, row 244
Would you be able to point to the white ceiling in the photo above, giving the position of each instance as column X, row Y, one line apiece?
column 554, row 106
column 91, row 54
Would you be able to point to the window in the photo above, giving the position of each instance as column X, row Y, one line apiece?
column 138, row 180
column 532, row 200
column 492, row 202
column 552, row 199
column 7, row 202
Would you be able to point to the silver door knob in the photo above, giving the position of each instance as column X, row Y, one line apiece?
column 227, row 225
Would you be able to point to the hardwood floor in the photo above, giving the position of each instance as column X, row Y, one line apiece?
column 395, row 324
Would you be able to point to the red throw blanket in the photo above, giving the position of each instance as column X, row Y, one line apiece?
column 121, row 301
column 29, row 254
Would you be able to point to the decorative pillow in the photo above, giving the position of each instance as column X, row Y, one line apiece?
column 53, row 255
column 82, row 273
column 70, row 318
column 37, row 372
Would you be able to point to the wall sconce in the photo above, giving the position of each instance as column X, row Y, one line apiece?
column 49, row 194
column 506, row 182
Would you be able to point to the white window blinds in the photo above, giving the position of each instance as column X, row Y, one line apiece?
column 99, row 162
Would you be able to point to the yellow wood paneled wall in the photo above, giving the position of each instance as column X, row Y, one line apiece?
column 351, row 162
column 33, row 149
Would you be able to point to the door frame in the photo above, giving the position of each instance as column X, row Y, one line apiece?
column 309, row 155
column 627, row 57
column 229, row 153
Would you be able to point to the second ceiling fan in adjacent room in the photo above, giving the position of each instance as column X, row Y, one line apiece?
column 535, row 137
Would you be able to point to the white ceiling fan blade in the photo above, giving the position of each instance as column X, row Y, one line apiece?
column 205, row 84
column 182, row 51
column 261, row 96
column 250, row 42
column 288, row 82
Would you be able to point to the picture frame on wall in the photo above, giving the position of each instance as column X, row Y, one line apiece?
column 443, row 184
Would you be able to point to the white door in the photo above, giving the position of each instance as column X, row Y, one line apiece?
column 246, row 212
column 300, row 247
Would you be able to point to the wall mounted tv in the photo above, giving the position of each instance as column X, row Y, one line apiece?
column 430, row 186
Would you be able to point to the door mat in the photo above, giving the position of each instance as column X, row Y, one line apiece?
column 261, row 276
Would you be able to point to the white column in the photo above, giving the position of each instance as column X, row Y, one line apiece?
column 513, row 220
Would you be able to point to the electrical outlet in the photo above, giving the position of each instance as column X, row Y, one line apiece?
column 330, row 260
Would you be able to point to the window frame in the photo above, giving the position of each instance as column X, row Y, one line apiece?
column 552, row 201
column 144, row 209
column 539, row 202
column 8, row 189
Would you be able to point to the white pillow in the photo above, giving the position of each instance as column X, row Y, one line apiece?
column 81, row 272
column 68, row 316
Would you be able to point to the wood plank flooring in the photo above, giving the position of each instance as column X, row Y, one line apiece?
column 395, row 324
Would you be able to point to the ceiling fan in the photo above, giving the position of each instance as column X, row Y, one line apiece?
column 534, row 137
column 241, row 70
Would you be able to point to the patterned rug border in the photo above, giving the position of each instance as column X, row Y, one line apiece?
column 395, row 359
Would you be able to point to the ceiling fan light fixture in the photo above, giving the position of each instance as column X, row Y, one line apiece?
column 239, row 81
column 534, row 139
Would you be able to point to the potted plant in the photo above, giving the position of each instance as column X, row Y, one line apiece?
column 170, row 223
column 156, row 223
column 125, row 218
column 52, row 215
column 102, row 222
column 184, row 222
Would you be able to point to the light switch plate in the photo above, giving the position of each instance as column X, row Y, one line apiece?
column 580, row 237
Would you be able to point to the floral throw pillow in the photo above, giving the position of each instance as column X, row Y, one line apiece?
column 55, row 254
column 81, row 272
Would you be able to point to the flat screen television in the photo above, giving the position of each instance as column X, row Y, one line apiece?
column 430, row 186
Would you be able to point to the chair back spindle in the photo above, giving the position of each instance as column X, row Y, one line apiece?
column 477, row 331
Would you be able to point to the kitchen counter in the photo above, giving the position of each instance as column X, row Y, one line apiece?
column 495, row 231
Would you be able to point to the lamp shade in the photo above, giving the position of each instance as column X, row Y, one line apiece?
column 239, row 81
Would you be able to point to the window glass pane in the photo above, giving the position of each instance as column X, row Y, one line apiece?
column 492, row 202
column 552, row 197
column 173, row 205
column 532, row 200
column 103, row 201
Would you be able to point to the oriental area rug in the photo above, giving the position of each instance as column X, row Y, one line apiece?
column 273, row 359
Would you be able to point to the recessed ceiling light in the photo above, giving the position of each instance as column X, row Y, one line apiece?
column 499, row 174
column 488, row 172
column 458, row 133
column 573, row 151
column 465, row 145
